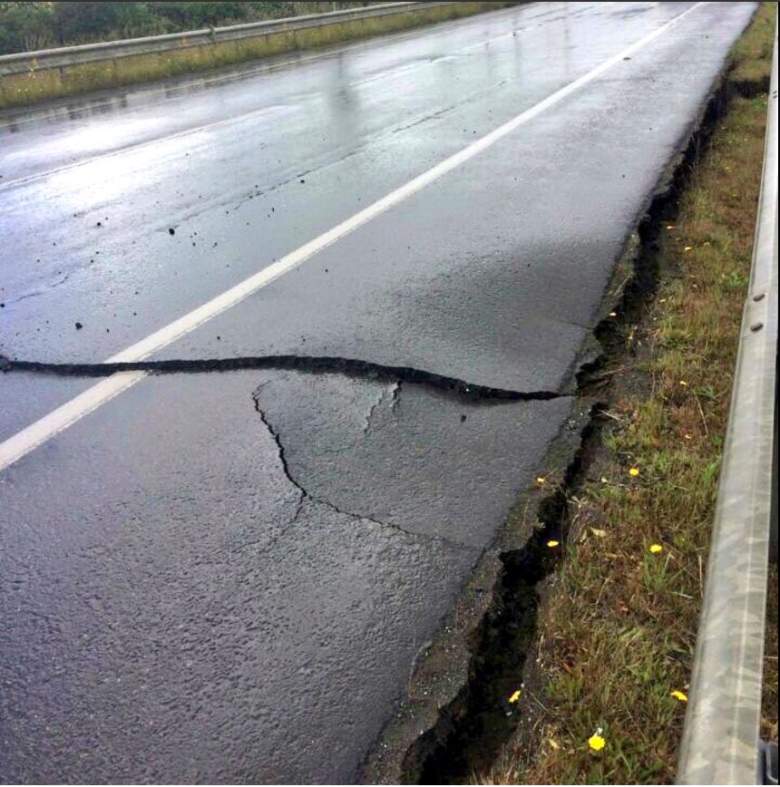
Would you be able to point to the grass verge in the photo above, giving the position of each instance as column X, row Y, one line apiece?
column 617, row 628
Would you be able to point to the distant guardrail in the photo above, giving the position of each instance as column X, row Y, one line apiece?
column 27, row 77
column 721, row 737
column 24, row 62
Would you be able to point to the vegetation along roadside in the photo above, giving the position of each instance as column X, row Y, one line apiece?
column 25, row 25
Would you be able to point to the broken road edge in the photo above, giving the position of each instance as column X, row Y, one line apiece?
column 449, row 674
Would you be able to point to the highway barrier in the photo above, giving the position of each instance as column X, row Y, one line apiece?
column 28, row 77
column 721, row 737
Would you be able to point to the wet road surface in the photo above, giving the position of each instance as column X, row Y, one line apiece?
column 227, row 576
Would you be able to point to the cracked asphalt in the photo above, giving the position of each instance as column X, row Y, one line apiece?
column 227, row 572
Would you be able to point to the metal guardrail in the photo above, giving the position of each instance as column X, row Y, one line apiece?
column 721, row 737
column 26, row 62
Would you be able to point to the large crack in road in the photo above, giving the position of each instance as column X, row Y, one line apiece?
column 466, row 733
column 302, row 363
column 252, row 579
column 327, row 460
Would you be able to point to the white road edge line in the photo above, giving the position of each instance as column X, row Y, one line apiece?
column 39, row 432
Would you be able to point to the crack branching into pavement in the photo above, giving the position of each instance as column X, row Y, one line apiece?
column 396, row 395
column 474, row 725
column 37, row 293
column 301, row 363
column 471, row 729
column 306, row 496
column 372, row 409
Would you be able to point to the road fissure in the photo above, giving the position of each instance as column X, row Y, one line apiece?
column 65, row 416
column 473, row 728
column 300, row 363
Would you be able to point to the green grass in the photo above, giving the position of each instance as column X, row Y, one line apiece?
column 753, row 54
column 618, row 627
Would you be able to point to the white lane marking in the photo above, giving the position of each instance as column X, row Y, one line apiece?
column 60, row 419
column 14, row 448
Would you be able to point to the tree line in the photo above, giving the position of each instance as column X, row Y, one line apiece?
column 26, row 26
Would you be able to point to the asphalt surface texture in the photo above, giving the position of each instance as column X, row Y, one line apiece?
column 228, row 576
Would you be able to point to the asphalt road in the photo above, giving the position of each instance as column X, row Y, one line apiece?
column 227, row 576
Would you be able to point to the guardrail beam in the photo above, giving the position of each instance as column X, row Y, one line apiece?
column 721, row 737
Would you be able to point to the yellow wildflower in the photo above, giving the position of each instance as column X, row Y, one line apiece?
column 656, row 549
column 634, row 472
column 515, row 696
column 596, row 742
column 678, row 695
column 552, row 543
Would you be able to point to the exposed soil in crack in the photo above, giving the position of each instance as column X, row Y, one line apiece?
column 750, row 88
column 470, row 730
column 302, row 363
column 468, row 737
